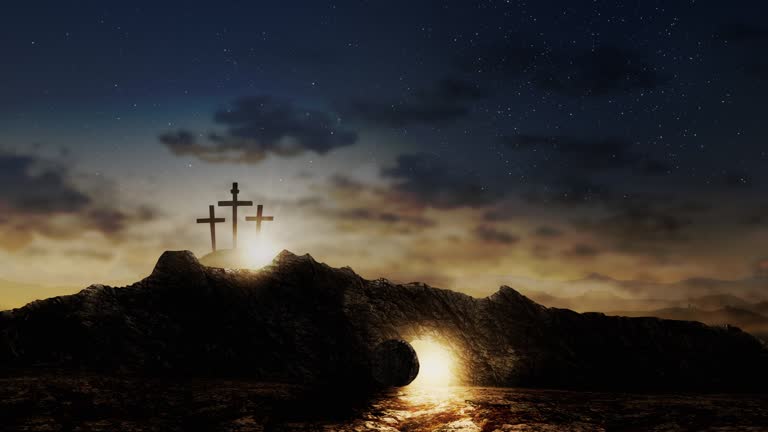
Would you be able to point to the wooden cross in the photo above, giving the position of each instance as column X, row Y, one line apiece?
column 212, row 220
column 235, row 204
column 258, row 218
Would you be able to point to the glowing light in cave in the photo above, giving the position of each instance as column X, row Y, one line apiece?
column 437, row 366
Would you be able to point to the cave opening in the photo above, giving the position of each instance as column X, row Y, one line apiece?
column 437, row 363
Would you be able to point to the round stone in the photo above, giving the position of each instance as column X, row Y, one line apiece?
column 395, row 363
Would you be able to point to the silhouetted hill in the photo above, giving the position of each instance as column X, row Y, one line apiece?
column 298, row 320
column 597, row 301
column 750, row 321
column 761, row 308
column 751, row 289
column 719, row 301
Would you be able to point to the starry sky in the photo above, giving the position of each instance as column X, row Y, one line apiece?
column 464, row 144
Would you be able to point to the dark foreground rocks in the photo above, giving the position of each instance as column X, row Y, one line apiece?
column 300, row 321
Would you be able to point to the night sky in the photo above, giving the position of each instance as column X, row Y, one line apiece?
column 463, row 144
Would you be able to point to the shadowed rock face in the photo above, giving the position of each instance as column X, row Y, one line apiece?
column 301, row 321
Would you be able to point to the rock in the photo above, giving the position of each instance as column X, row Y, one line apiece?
column 394, row 363
column 298, row 320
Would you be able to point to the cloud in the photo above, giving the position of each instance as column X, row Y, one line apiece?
column 446, row 101
column 31, row 185
column 424, row 181
column 601, row 71
column 577, row 171
column 38, row 197
column 547, row 231
column 581, row 250
column 751, row 41
column 647, row 228
column 490, row 234
column 353, row 206
column 587, row 154
column 372, row 215
column 258, row 126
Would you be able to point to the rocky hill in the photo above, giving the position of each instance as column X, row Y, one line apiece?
column 298, row 320
column 753, row 322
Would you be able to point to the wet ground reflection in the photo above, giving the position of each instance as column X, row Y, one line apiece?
column 102, row 403
column 470, row 409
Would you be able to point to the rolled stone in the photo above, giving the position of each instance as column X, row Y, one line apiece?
column 395, row 363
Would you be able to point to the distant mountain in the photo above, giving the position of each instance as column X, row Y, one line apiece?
column 761, row 308
column 598, row 301
column 747, row 320
column 719, row 301
column 752, row 288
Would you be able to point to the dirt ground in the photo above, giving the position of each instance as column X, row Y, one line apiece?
column 99, row 403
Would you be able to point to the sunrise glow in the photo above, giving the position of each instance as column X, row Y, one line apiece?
column 260, row 252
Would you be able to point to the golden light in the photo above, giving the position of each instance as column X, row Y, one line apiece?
column 259, row 252
column 436, row 363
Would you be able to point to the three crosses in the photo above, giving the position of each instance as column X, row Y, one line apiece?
column 212, row 220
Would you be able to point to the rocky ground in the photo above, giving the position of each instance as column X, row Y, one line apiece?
column 54, row 402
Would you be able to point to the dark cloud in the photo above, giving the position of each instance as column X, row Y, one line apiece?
column 761, row 268
column 587, row 154
column 752, row 39
column 425, row 180
column 371, row 215
column 34, row 193
column 581, row 171
column 648, row 229
column 756, row 216
column 581, row 250
column 511, row 58
column 605, row 70
column 448, row 100
column 547, row 231
column 31, row 185
column 499, row 214
column 113, row 221
column 490, row 234
column 600, row 71
column 262, row 125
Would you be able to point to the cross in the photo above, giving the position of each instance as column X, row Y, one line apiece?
column 235, row 204
column 258, row 218
column 212, row 220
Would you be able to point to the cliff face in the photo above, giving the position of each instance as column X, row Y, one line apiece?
column 302, row 321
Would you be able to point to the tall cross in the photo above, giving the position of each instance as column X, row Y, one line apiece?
column 235, row 204
column 212, row 220
column 258, row 218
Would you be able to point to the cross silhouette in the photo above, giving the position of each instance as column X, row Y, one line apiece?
column 235, row 204
column 212, row 220
column 259, row 218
